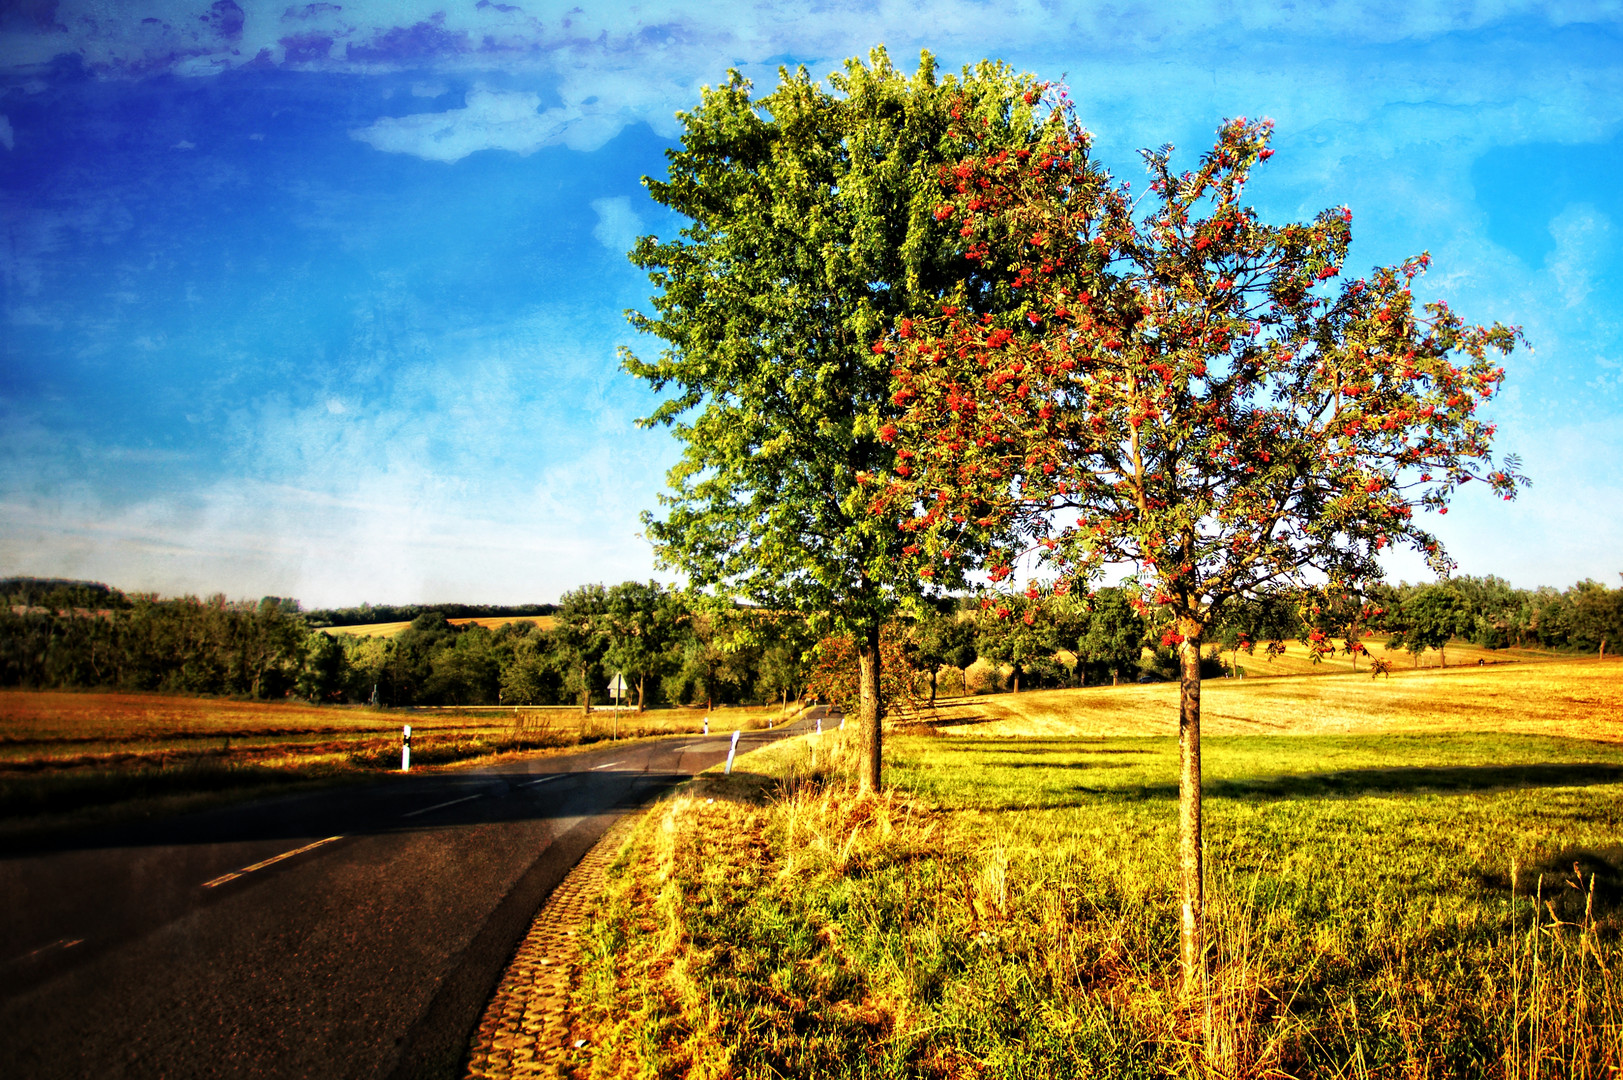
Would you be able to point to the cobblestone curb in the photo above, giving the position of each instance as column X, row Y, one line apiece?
column 525, row 1029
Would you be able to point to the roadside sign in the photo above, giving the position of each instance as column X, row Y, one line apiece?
column 617, row 686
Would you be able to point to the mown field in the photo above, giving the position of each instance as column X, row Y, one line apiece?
column 77, row 758
column 1395, row 890
column 1582, row 698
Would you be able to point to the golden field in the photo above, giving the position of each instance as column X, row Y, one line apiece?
column 1578, row 698
column 390, row 629
column 80, row 758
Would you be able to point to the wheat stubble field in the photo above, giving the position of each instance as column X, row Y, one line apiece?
column 69, row 759
column 1414, row 878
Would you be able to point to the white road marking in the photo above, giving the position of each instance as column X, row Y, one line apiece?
column 610, row 765
column 532, row 783
column 261, row 864
column 443, row 805
column 60, row 943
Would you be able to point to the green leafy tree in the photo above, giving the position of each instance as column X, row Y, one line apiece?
column 582, row 633
column 783, row 665
column 1017, row 631
column 1430, row 617
column 645, row 624
column 323, row 674
column 945, row 640
column 530, row 667
column 814, row 225
column 1112, row 639
column 1597, row 616
column 1184, row 392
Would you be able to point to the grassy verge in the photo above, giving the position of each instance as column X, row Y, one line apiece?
column 1380, row 906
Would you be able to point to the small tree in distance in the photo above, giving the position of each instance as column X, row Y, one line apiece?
column 1183, row 394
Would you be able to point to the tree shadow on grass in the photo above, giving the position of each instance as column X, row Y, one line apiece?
column 1352, row 783
column 1562, row 881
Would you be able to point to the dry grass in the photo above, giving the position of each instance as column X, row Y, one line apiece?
column 1577, row 698
column 1008, row 907
column 390, row 629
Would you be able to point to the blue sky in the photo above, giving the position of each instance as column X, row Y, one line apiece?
column 323, row 300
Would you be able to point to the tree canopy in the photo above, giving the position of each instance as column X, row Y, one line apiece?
column 812, row 228
column 1183, row 391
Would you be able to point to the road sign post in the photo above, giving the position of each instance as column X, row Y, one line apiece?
column 617, row 690
column 405, row 749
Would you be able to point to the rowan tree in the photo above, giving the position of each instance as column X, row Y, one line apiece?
column 1185, row 393
column 813, row 228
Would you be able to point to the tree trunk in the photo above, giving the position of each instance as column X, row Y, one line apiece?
column 936, row 671
column 870, row 710
column 585, row 692
column 1189, row 839
column 1016, row 674
column 641, row 679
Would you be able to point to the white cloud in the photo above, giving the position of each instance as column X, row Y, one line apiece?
column 1583, row 243
column 618, row 226
column 490, row 120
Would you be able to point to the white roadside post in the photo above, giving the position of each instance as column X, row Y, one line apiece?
column 731, row 750
column 405, row 749
column 819, row 725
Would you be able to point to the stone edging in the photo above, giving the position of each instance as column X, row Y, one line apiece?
column 525, row 1029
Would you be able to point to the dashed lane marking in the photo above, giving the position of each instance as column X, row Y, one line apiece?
column 532, row 783
column 261, row 864
column 443, row 805
column 609, row 765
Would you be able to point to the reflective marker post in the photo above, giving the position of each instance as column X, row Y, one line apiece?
column 731, row 750
column 405, row 749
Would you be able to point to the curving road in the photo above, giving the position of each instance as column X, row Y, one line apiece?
column 346, row 933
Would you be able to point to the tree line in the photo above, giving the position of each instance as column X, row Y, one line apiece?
column 674, row 648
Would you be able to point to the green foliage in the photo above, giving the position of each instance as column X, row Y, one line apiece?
column 1428, row 618
column 1111, row 636
column 646, row 623
column 812, row 229
column 942, row 639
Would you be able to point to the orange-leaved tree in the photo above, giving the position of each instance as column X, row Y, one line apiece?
column 1186, row 395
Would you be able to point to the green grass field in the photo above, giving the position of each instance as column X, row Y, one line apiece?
column 1433, row 901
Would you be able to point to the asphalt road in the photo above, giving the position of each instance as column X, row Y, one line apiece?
column 355, row 932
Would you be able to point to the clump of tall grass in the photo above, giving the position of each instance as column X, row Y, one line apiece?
column 1561, row 1001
